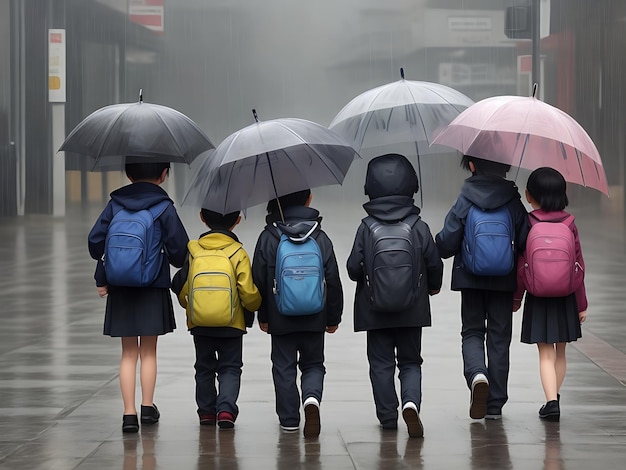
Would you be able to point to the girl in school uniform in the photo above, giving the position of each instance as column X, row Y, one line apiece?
column 551, row 322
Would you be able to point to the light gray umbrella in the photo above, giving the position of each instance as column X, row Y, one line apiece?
column 404, row 111
column 266, row 160
column 135, row 131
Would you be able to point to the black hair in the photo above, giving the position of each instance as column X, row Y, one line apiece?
column 145, row 170
column 547, row 186
column 298, row 198
column 217, row 221
column 485, row 167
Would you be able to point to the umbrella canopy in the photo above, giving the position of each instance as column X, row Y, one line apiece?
column 402, row 111
column 527, row 133
column 121, row 132
column 266, row 160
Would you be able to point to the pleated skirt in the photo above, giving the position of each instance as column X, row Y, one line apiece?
column 550, row 320
column 134, row 311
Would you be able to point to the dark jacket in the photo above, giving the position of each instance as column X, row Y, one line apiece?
column 486, row 192
column 247, row 292
column 264, row 265
column 391, row 209
column 137, row 196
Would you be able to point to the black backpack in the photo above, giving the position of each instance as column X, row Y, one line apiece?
column 392, row 264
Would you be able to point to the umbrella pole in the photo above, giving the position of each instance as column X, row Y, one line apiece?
column 267, row 155
column 419, row 175
column 280, row 209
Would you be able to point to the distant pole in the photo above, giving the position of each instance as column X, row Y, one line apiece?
column 536, row 38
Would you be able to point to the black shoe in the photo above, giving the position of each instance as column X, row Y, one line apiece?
column 550, row 411
column 150, row 414
column 130, row 423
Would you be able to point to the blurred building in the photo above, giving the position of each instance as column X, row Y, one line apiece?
column 216, row 60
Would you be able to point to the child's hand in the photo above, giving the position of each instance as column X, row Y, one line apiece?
column 102, row 291
column 517, row 303
column 263, row 327
column 582, row 316
column 434, row 292
column 331, row 329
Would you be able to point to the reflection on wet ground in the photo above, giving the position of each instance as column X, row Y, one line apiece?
column 61, row 408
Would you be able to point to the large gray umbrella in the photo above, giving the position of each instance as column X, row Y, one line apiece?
column 135, row 131
column 402, row 111
column 266, row 160
column 405, row 111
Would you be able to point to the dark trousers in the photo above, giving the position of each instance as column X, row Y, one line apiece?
column 487, row 318
column 303, row 350
column 219, row 358
column 386, row 349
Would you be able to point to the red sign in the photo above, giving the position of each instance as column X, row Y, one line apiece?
column 148, row 13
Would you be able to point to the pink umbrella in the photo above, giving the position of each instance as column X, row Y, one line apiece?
column 528, row 133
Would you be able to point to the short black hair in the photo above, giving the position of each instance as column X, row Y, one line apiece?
column 485, row 167
column 217, row 221
column 548, row 187
column 145, row 170
column 298, row 198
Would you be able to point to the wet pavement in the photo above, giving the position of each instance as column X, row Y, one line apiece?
column 60, row 405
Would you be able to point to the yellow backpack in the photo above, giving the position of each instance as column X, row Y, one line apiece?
column 212, row 285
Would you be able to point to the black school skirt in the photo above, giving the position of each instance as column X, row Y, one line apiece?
column 550, row 320
column 138, row 311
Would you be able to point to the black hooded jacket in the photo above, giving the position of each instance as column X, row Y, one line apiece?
column 298, row 220
column 486, row 192
column 392, row 209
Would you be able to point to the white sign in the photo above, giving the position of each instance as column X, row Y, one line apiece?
column 56, row 65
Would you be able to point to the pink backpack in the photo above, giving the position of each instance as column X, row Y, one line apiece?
column 550, row 266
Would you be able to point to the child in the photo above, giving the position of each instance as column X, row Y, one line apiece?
column 219, row 349
column 139, row 314
column 297, row 341
column 551, row 322
column 394, row 338
column 485, row 299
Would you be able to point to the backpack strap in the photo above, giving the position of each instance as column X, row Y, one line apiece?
column 568, row 220
column 410, row 220
column 159, row 208
column 194, row 248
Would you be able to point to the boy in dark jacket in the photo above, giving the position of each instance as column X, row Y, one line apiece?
column 486, row 301
column 219, row 349
column 297, row 341
column 394, row 338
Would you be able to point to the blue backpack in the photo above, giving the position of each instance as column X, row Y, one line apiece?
column 489, row 242
column 133, row 250
column 299, row 286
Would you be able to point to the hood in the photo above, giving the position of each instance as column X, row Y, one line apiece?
column 391, row 208
column 390, row 174
column 489, row 192
column 217, row 239
column 140, row 195
column 299, row 220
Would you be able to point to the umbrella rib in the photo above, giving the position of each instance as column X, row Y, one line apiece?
column 306, row 144
column 180, row 152
column 420, row 115
column 107, row 134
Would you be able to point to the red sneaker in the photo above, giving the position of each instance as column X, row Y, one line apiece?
column 225, row 420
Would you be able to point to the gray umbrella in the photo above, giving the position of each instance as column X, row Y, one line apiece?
column 405, row 111
column 266, row 160
column 135, row 131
